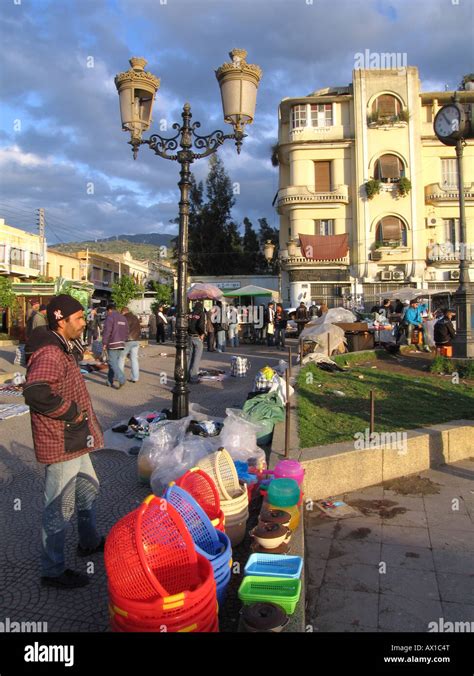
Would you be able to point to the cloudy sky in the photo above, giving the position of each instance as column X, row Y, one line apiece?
column 59, row 119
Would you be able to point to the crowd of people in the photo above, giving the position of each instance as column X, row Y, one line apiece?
column 410, row 317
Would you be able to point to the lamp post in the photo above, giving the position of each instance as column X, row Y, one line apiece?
column 452, row 126
column 238, row 82
column 268, row 252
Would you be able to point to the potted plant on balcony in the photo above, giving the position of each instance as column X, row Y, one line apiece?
column 372, row 188
column 404, row 186
column 403, row 116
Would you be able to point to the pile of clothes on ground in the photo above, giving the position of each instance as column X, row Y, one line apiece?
column 167, row 448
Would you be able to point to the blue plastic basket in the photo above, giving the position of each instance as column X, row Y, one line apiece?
column 274, row 565
column 205, row 536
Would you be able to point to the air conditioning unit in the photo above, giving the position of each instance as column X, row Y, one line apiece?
column 398, row 276
column 432, row 222
column 454, row 274
column 386, row 276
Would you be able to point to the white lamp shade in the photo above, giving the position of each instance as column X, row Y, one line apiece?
column 239, row 98
column 238, row 82
column 268, row 250
column 137, row 90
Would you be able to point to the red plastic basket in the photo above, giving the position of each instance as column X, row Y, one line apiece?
column 177, row 604
column 184, row 624
column 150, row 553
column 203, row 489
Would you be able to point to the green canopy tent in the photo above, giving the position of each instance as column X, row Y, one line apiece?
column 249, row 291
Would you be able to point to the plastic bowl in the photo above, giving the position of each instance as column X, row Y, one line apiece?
column 289, row 469
column 283, row 493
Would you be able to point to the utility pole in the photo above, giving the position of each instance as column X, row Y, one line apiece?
column 41, row 231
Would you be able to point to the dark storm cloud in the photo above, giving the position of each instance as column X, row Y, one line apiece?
column 70, row 132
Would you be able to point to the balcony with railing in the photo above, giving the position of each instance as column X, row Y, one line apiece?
column 297, row 195
column 329, row 133
column 449, row 254
column 435, row 192
column 293, row 257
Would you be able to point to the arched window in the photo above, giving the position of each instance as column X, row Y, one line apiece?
column 389, row 169
column 391, row 230
column 386, row 106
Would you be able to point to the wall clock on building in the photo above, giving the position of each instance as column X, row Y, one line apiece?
column 451, row 124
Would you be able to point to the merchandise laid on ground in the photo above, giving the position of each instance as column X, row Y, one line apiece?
column 169, row 562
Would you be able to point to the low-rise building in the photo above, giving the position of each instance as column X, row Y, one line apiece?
column 22, row 254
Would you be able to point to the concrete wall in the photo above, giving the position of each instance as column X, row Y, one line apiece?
column 338, row 468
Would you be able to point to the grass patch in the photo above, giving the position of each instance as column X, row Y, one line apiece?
column 401, row 402
column 464, row 367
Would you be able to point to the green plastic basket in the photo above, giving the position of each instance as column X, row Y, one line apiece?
column 285, row 593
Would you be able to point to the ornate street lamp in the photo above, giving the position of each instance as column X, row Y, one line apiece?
column 238, row 82
column 268, row 252
column 452, row 126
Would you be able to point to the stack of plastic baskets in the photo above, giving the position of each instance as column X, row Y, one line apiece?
column 157, row 581
column 272, row 578
column 204, row 490
column 234, row 496
column 209, row 542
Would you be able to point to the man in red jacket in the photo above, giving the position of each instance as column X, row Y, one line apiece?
column 65, row 431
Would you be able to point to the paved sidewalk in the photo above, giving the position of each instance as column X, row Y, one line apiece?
column 408, row 561
column 21, row 484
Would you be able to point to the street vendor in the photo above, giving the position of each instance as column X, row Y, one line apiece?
column 414, row 320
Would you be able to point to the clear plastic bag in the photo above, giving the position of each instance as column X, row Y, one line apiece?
column 158, row 447
column 177, row 461
column 239, row 437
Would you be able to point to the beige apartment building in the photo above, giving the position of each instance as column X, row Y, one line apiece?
column 351, row 225
column 22, row 254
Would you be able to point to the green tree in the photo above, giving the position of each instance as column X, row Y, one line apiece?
column 125, row 290
column 164, row 292
column 251, row 247
column 7, row 296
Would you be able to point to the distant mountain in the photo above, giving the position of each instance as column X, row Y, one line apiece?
column 150, row 238
column 141, row 247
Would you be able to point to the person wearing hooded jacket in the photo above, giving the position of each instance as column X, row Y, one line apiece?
column 65, row 431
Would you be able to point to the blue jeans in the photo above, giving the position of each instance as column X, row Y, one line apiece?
column 280, row 337
column 195, row 356
column 233, row 335
column 131, row 348
column 68, row 485
column 221, row 341
column 115, row 370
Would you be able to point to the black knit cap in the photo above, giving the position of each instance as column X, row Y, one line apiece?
column 61, row 307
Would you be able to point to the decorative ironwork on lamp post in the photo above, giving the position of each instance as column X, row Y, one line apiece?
column 238, row 82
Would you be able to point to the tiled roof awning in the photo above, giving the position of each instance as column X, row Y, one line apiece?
column 324, row 247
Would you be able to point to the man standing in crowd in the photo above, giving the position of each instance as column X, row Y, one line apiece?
column 152, row 327
column 113, row 341
column 36, row 318
column 210, row 331
column 313, row 311
column 132, row 345
column 281, row 320
column 269, row 320
column 65, row 430
column 161, row 324
column 301, row 317
column 444, row 332
column 196, row 332
column 93, row 327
